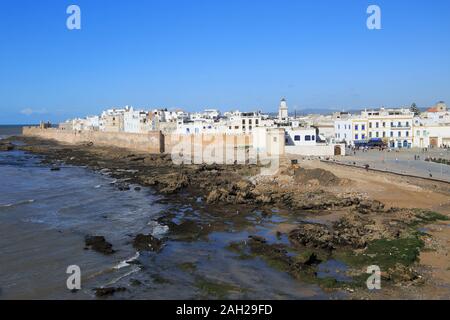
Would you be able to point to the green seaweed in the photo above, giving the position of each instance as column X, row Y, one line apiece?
column 427, row 216
column 384, row 253
column 219, row 290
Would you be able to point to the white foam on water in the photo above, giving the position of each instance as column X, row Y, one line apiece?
column 158, row 230
column 126, row 263
column 112, row 282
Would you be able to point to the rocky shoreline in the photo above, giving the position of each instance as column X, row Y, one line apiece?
column 362, row 232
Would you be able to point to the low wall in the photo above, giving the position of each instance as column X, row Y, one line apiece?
column 152, row 142
column 317, row 150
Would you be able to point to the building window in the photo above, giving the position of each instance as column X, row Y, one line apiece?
column 370, row 125
column 399, row 134
column 274, row 139
column 356, row 137
column 363, row 136
column 363, row 127
column 407, row 133
column 418, row 132
column 313, row 138
column 296, row 138
column 307, row 138
column 377, row 124
column 407, row 123
column 356, row 127
column 257, row 121
column 392, row 134
column 250, row 121
column 339, row 127
column 370, row 134
column 377, row 134
column 384, row 124
column 384, row 134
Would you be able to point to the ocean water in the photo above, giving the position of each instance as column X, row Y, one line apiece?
column 10, row 130
column 45, row 216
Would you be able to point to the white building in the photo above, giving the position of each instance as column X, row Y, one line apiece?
column 432, row 128
column 200, row 126
column 343, row 130
column 300, row 136
column 242, row 122
column 136, row 121
column 207, row 114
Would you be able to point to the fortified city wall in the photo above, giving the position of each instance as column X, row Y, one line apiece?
column 151, row 142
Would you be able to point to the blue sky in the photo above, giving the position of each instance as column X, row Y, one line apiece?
column 227, row 54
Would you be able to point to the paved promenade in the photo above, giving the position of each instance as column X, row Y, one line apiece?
column 402, row 161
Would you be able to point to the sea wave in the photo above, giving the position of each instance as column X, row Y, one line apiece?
column 15, row 204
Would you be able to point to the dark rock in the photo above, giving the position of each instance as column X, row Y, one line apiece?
column 258, row 238
column 312, row 260
column 6, row 146
column 367, row 206
column 312, row 235
column 174, row 182
column 135, row 282
column 99, row 244
column 123, row 186
column 109, row 291
column 147, row 243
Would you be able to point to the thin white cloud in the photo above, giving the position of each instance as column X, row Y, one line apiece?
column 29, row 111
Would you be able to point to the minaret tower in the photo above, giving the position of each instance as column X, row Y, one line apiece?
column 283, row 111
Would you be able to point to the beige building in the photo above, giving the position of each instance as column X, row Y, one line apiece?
column 112, row 120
